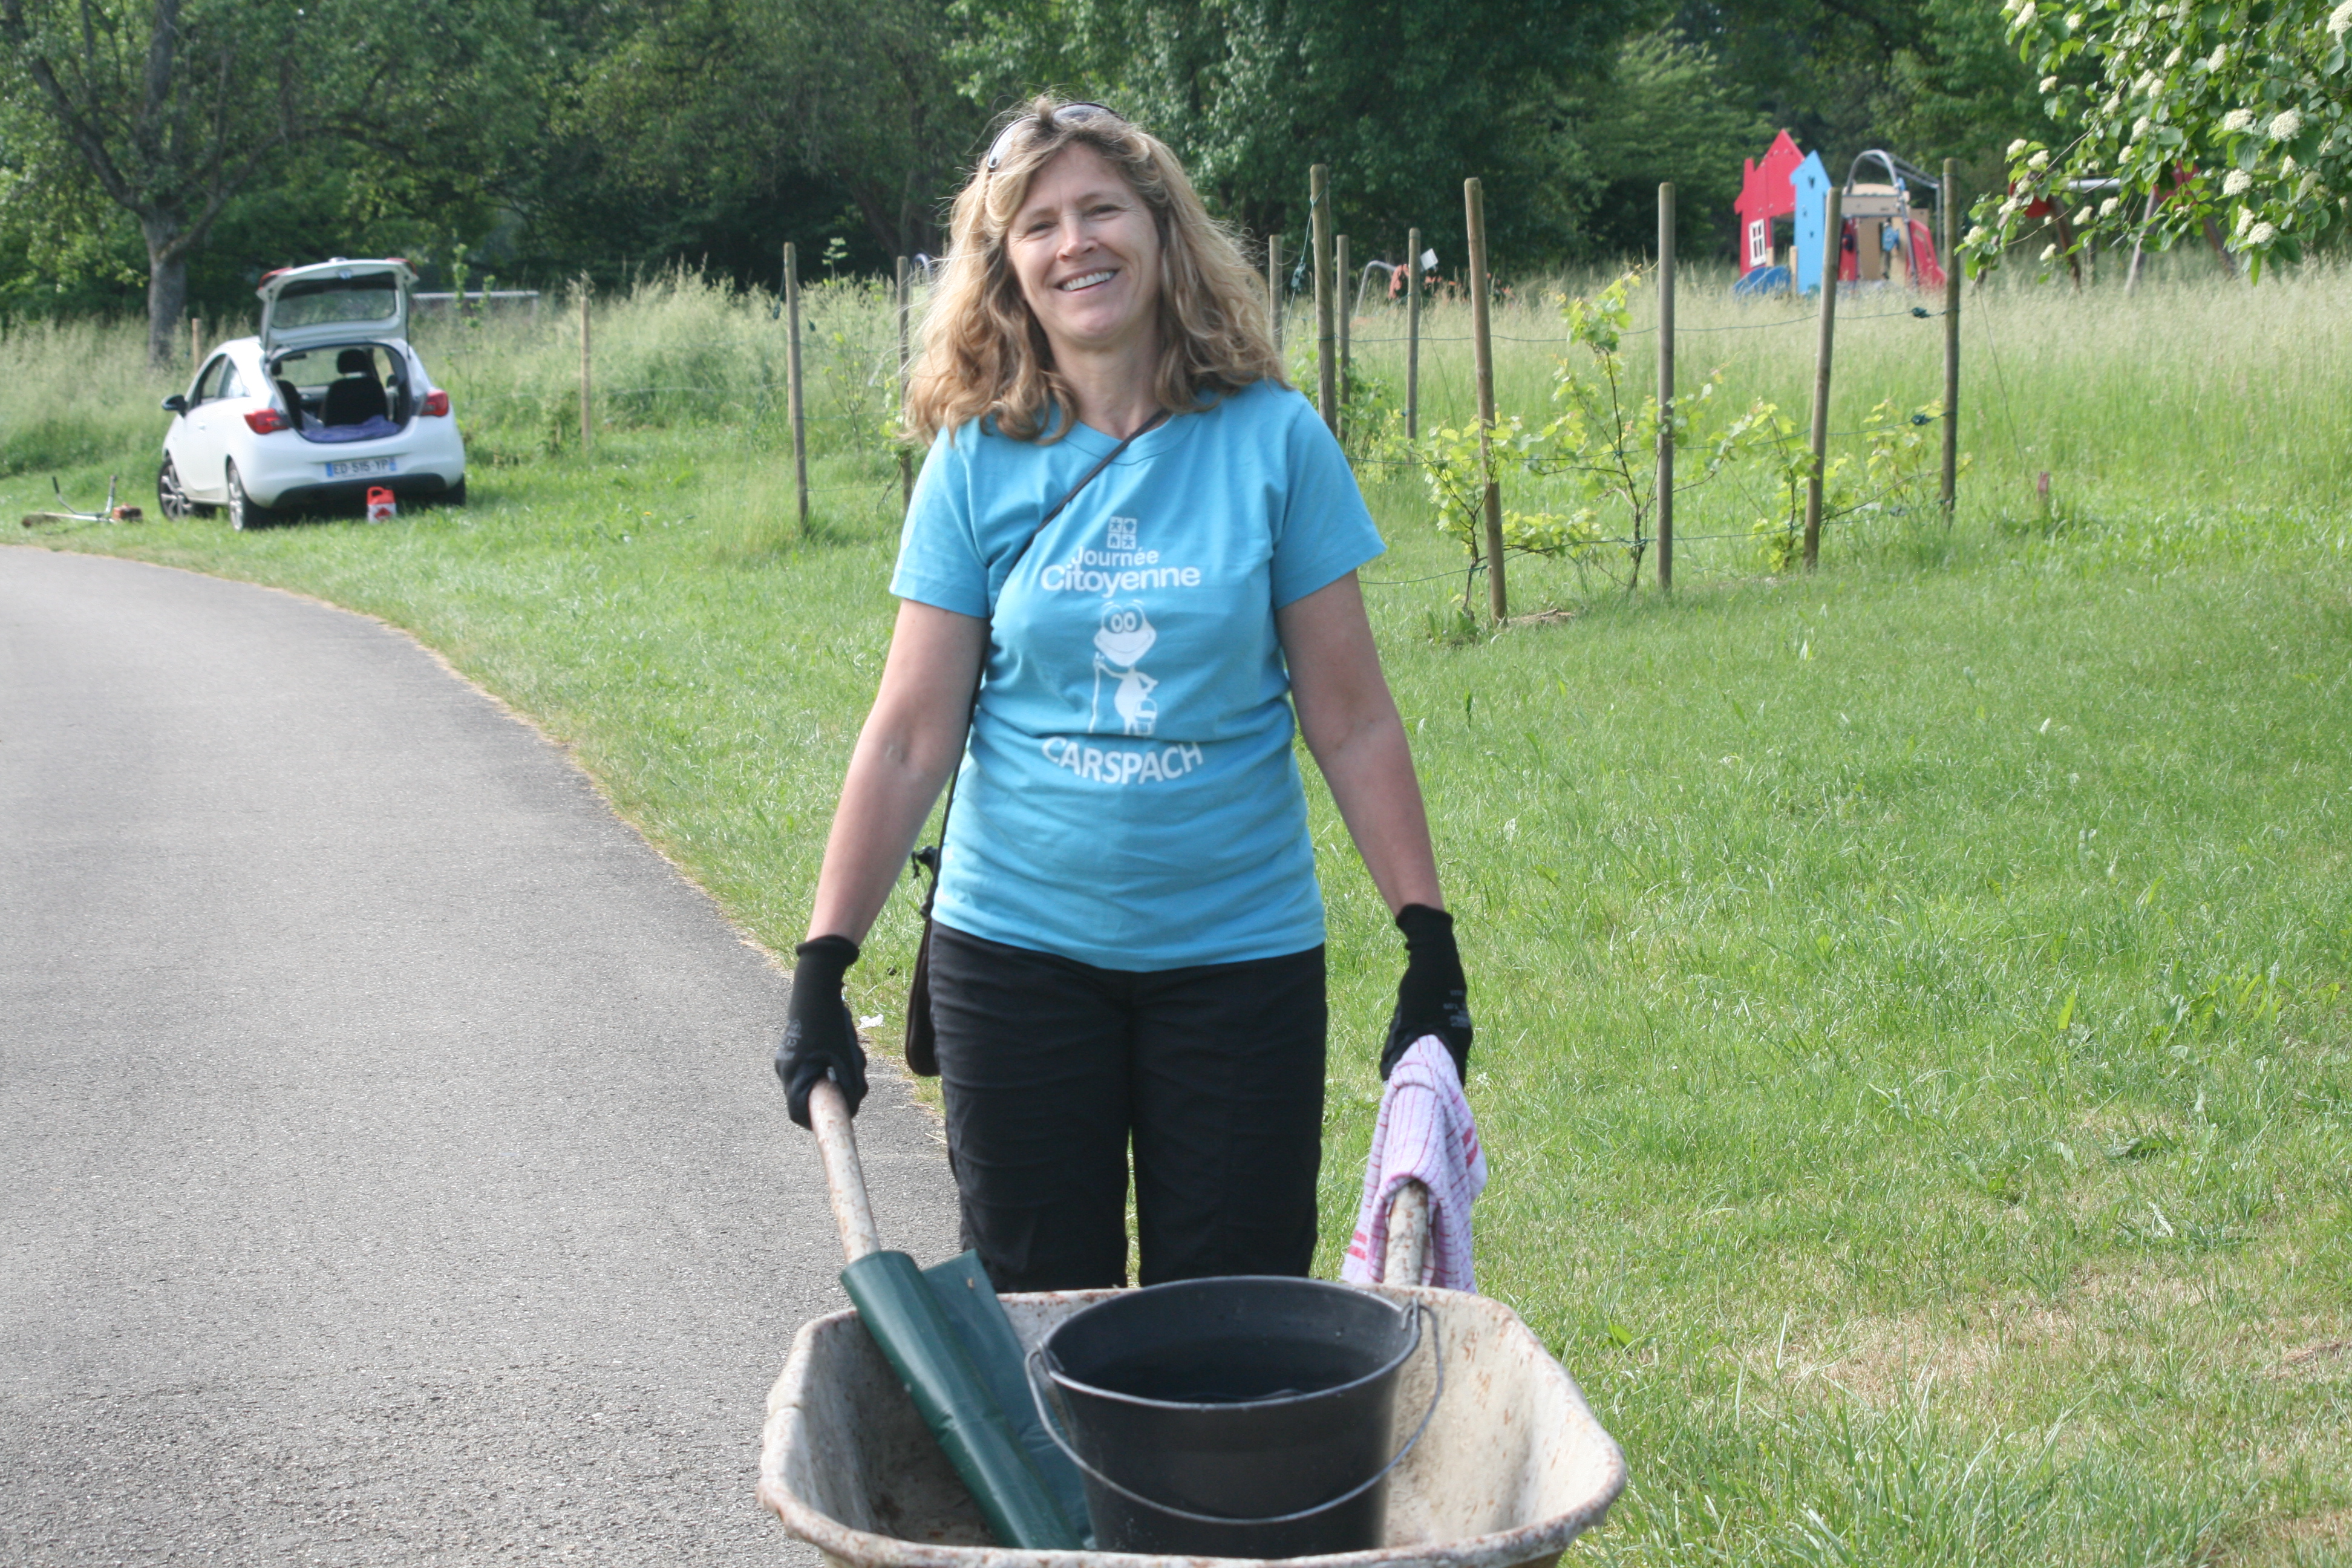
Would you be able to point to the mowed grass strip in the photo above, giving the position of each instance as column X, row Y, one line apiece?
column 1913, row 1046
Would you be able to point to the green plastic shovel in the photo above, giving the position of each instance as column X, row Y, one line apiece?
column 946, row 1335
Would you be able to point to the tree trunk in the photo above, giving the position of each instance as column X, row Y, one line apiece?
column 167, row 284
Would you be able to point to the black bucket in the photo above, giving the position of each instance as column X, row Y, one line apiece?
column 1234, row 1417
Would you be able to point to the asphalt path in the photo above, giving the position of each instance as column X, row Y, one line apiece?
column 393, row 1168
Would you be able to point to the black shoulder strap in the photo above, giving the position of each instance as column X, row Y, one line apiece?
column 929, row 858
column 1070, row 495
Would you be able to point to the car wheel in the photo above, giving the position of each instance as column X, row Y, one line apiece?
column 242, row 512
column 172, row 497
column 453, row 496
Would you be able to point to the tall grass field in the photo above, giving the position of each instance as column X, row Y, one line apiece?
column 1913, row 1048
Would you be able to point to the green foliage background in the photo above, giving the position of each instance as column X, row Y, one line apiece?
column 532, row 141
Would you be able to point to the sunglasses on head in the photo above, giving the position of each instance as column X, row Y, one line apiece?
column 1069, row 114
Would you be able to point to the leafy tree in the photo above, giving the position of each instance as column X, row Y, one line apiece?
column 170, row 108
column 1927, row 79
column 2236, row 108
column 1665, row 113
column 713, row 105
column 1403, row 100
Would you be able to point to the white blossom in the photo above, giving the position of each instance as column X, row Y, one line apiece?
column 2139, row 127
column 2245, row 219
column 1975, row 235
column 2025, row 15
column 2019, row 145
column 2286, row 166
column 2339, row 21
column 2287, row 126
column 2236, row 182
column 2082, row 219
column 2073, row 21
column 2050, row 83
column 2107, row 208
column 2048, row 251
column 2261, row 234
column 2238, row 119
column 2220, row 57
column 2173, row 59
column 2040, row 160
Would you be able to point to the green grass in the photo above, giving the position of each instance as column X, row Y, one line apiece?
column 1913, row 1045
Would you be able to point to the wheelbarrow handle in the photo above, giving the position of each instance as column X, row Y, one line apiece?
column 845, row 1178
column 1408, row 1240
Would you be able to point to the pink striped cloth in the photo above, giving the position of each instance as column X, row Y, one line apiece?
column 1425, row 1134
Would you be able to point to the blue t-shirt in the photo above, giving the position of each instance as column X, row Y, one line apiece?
column 1129, row 797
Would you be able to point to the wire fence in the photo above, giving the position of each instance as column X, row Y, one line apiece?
column 850, row 369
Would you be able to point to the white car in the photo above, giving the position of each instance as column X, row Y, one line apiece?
column 327, row 403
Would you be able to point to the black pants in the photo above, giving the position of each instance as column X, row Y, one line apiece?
column 1051, row 1066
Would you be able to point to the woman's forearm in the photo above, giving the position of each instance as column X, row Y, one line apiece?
column 1369, row 770
column 911, row 743
column 1351, row 724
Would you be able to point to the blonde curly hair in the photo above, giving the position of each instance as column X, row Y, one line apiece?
column 984, row 354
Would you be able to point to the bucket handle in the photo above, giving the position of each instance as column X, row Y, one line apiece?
column 1054, row 1431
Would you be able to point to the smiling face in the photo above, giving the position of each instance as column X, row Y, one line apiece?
column 1086, row 253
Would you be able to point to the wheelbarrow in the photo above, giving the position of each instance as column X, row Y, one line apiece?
column 1512, row 1467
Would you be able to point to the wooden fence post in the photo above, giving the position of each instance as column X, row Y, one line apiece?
column 1273, row 289
column 587, row 399
column 1327, row 357
column 1346, row 309
column 905, row 457
column 1833, row 254
column 1474, row 206
column 195, row 343
column 792, row 379
column 1666, row 388
column 1412, row 335
column 1948, row 199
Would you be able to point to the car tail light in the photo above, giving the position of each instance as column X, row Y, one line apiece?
column 437, row 404
column 262, row 421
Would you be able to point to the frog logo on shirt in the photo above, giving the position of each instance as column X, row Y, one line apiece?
column 1125, row 637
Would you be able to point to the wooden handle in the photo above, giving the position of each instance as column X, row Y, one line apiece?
column 845, row 1179
column 1408, row 1254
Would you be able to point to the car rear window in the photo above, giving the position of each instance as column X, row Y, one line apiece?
column 315, row 301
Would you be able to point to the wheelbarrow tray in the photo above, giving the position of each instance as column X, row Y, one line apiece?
column 1514, row 1465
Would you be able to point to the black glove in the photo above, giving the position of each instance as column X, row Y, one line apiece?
column 820, row 1038
column 1433, row 998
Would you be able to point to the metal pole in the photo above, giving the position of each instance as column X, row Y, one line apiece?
column 1412, row 335
column 1327, row 361
column 587, row 401
column 905, row 458
column 1473, row 205
column 1666, row 388
column 792, row 379
column 1273, row 289
column 2140, row 242
column 1832, row 253
column 1948, row 199
column 1346, row 311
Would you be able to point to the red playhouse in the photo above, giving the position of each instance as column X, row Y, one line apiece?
column 1885, row 240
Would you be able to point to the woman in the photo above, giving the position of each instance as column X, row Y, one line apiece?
column 1129, row 938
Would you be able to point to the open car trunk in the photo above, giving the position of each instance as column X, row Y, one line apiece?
column 334, row 300
column 339, row 392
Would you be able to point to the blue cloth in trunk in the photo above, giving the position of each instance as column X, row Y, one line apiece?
column 374, row 429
